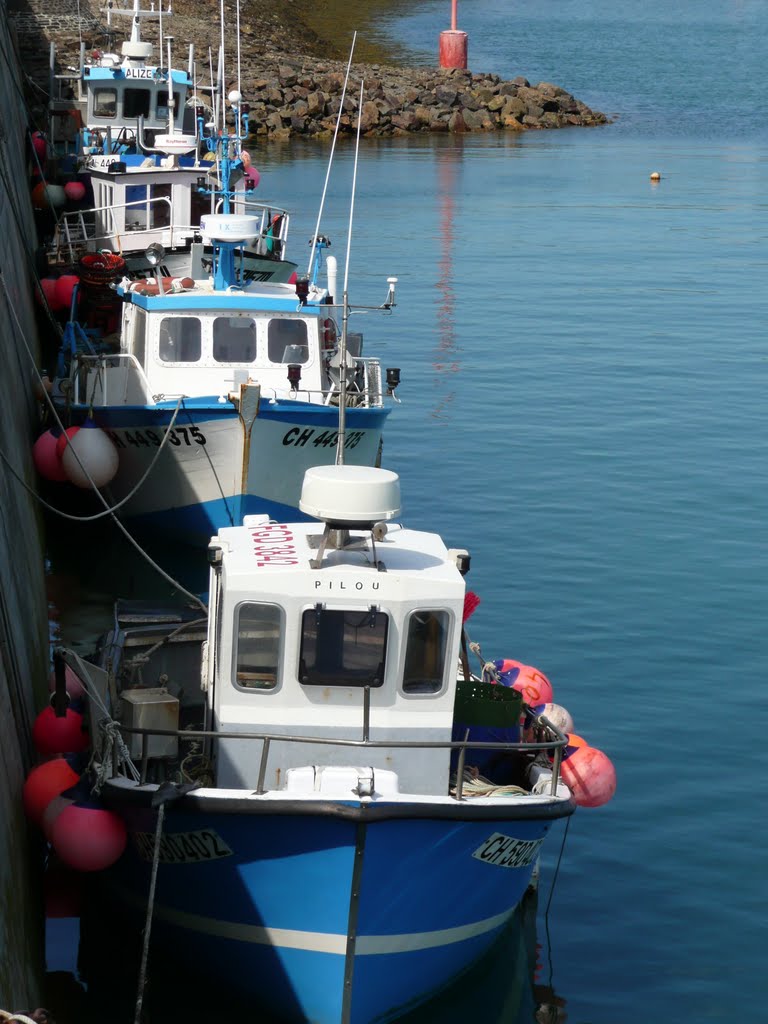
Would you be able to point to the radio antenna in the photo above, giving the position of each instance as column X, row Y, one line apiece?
column 316, row 235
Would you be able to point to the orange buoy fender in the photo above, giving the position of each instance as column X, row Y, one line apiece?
column 590, row 776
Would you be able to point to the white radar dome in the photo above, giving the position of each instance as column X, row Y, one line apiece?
column 350, row 494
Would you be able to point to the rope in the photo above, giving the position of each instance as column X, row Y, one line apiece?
column 150, row 908
column 128, row 536
column 107, row 511
column 142, row 659
column 476, row 785
column 22, row 1017
column 111, row 737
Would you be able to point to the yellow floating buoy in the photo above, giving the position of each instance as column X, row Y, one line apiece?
column 655, row 176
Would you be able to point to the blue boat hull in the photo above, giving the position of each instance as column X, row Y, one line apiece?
column 215, row 468
column 266, row 902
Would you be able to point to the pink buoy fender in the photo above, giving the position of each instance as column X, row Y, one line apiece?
column 90, row 453
column 40, row 147
column 46, row 458
column 65, row 734
column 590, row 776
column 79, row 790
column 533, row 684
column 74, row 191
column 88, row 837
column 44, row 783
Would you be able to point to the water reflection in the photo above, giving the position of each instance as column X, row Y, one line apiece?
column 445, row 359
column 505, row 987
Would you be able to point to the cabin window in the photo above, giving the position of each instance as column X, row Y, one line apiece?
column 135, row 209
column 105, row 103
column 139, row 335
column 287, row 341
column 425, row 651
column 179, row 339
column 257, row 649
column 343, row 648
column 160, row 205
column 162, row 106
column 199, row 204
column 136, row 102
column 234, row 339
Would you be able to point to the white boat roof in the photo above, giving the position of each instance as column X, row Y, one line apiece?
column 259, row 553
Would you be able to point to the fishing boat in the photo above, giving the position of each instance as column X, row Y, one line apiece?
column 292, row 768
column 110, row 105
column 213, row 366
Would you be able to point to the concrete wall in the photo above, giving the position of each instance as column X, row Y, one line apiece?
column 23, row 607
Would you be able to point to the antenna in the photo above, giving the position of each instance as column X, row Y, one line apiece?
column 223, row 80
column 239, row 84
column 169, row 40
column 160, row 33
column 345, row 301
column 316, row 235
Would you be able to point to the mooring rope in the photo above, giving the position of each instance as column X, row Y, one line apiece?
column 128, row 536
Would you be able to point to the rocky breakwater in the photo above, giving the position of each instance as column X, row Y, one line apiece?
column 293, row 79
column 301, row 98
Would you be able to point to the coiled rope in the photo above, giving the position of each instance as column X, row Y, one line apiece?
column 475, row 785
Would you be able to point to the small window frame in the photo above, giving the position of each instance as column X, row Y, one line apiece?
column 444, row 618
column 344, row 676
column 280, row 661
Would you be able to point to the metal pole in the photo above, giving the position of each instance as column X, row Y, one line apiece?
column 454, row 14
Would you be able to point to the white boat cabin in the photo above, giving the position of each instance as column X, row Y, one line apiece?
column 137, row 205
column 305, row 618
column 171, row 346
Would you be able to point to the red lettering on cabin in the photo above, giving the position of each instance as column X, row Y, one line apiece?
column 273, row 544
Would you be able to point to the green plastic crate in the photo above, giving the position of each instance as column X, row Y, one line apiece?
column 487, row 704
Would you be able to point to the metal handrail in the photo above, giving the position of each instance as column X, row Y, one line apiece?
column 556, row 745
column 99, row 367
column 79, row 217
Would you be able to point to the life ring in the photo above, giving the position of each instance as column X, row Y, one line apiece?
column 170, row 284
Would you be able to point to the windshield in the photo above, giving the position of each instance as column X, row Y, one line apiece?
column 343, row 647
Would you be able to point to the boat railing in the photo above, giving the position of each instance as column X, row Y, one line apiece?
column 273, row 224
column 99, row 227
column 364, row 386
column 109, row 379
column 554, row 742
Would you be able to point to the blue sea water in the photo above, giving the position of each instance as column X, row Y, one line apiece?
column 584, row 359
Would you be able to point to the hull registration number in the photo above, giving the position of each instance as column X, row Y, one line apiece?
column 182, row 847
column 508, row 852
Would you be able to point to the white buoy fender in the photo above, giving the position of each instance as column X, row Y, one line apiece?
column 90, row 453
